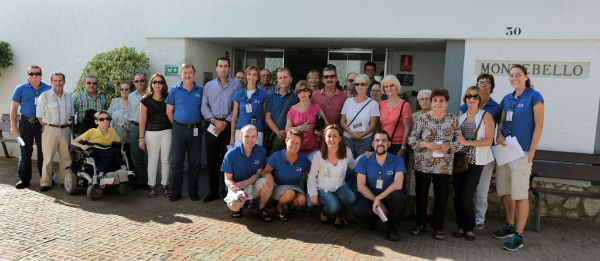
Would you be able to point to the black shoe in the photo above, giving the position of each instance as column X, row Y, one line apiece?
column 21, row 185
column 194, row 197
column 53, row 183
column 392, row 235
column 44, row 188
column 211, row 197
column 175, row 197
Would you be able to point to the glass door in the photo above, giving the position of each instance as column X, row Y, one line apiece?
column 348, row 60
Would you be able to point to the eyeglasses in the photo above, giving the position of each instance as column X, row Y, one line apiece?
column 356, row 84
column 138, row 81
column 350, row 80
column 160, row 82
column 483, row 83
column 124, row 89
column 329, row 76
column 473, row 96
column 105, row 119
column 92, row 83
column 34, row 74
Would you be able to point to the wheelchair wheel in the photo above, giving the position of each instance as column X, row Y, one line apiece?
column 70, row 182
column 123, row 188
column 93, row 192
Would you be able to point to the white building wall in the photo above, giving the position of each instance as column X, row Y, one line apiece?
column 204, row 57
column 571, row 105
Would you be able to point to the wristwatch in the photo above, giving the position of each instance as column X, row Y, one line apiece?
column 212, row 120
column 403, row 147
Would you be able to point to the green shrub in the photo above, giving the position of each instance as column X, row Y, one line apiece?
column 112, row 67
column 6, row 55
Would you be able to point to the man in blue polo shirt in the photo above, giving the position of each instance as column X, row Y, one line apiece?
column 217, row 108
column 29, row 128
column 284, row 172
column 242, row 166
column 485, row 82
column 278, row 105
column 183, row 110
column 380, row 181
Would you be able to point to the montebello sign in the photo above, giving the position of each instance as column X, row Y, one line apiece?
column 565, row 70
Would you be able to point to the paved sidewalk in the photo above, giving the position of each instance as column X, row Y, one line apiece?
column 56, row 226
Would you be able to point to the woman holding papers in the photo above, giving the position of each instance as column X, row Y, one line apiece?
column 434, row 142
column 522, row 118
column 477, row 127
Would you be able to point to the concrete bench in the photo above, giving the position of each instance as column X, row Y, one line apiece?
column 5, row 126
column 562, row 165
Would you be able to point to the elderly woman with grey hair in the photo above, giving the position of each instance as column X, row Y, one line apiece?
column 359, row 117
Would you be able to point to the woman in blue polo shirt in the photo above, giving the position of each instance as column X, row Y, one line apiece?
column 249, row 106
column 522, row 118
column 285, row 170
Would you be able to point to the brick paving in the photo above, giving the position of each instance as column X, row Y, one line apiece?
column 56, row 226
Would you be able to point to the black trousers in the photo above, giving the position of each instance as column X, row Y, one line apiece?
column 183, row 142
column 363, row 208
column 440, row 191
column 29, row 132
column 215, row 150
column 465, row 185
column 107, row 160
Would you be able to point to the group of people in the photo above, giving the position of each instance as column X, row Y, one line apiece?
column 343, row 149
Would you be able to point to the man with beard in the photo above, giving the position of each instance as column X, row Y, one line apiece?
column 380, row 182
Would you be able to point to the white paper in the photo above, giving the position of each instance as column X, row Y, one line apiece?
column 211, row 130
column 381, row 214
column 508, row 153
column 437, row 154
column 21, row 141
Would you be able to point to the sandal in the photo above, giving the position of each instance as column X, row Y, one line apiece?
column 166, row 191
column 416, row 230
column 469, row 237
column 236, row 214
column 152, row 192
column 282, row 217
column 325, row 221
column 263, row 215
column 439, row 235
column 458, row 234
column 339, row 225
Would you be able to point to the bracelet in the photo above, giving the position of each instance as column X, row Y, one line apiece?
column 299, row 127
column 141, row 138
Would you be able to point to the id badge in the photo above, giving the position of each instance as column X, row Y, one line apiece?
column 248, row 107
column 379, row 184
column 35, row 101
column 357, row 125
column 195, row 131
column 509, row 115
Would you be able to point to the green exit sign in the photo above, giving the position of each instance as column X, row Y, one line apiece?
column 171, row 69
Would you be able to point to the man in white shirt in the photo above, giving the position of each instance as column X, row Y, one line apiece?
column 138, row 156
column 54, row 112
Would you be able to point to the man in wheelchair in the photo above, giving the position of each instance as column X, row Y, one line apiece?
column 105, row 144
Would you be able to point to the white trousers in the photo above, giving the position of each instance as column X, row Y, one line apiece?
column 481, row 200
column 158, row 144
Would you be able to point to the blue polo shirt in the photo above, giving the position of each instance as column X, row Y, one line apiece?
column 491, row 107
column 275, row 104
column 523, row 123
column 235, row 162
column 26, row 95
column 257, row 99
column 370, row 168
column 187, row 103
column 286, row 174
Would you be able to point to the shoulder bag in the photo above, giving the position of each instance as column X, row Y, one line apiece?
column 461, row 159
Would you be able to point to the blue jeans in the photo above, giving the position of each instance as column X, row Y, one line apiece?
column 333, row 203
column 358, row 147
column 138, row 156
column 184, row 142
column 29, row 132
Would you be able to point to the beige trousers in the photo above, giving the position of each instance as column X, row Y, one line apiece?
column 55, row 139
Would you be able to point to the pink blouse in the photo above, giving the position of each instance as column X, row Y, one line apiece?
column 310, row 142
column 389, row 119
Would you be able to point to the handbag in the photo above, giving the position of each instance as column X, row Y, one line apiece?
column 319, row 122
column 461, row 159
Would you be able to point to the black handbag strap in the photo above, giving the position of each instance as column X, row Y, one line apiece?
column 287, row 102
column 361, row 109
column 399, row 118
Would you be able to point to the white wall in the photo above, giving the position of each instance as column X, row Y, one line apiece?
column 204, row 57
column 571, row 105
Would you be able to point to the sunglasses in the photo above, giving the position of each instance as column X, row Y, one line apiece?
column 356, row 84
column 138, row 81
column 105, row 119
column 92, row 83
column 350, row 80
column 474, row 96
column 302, row 90
column 124, row 89
column 329, row 76
column 160, row 82
column 34, row 74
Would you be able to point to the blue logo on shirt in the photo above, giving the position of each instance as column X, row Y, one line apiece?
column 390, row 172
column 298, row 169
column 520, row 105
column 257, row 162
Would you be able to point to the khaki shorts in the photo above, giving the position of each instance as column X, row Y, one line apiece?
column 232, row 200
column 513, row 178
